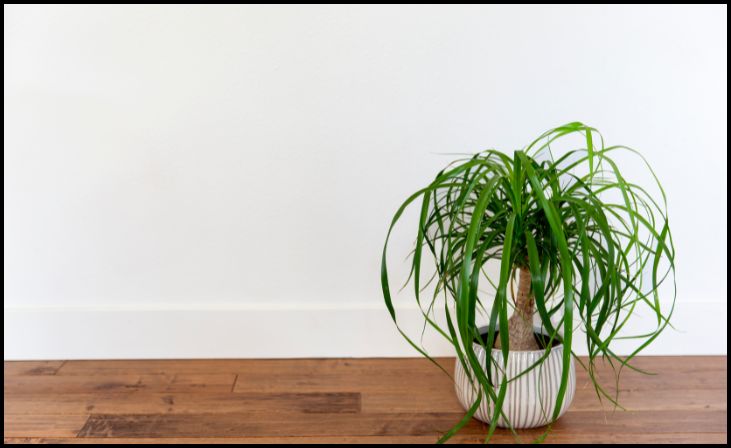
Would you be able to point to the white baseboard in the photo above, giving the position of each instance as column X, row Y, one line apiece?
column 280, row 332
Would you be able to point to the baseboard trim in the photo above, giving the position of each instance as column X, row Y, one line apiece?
column 294, row 331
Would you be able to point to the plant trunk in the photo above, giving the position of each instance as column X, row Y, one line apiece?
column 520, row 324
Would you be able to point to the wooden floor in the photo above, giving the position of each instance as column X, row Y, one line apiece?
column 332, row 400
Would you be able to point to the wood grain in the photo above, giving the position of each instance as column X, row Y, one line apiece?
column 335, row 401
column 156, row 403
column 29, row 368
column 373, row 424
column 43, row 425
column 190, row 383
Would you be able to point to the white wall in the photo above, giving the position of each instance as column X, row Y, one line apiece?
column 217, row 180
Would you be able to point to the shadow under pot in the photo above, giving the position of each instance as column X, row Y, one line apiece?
column 530, row 399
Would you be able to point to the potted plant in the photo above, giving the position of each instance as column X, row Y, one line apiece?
column 589, row 248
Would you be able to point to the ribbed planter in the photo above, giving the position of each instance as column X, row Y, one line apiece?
column 530, row 399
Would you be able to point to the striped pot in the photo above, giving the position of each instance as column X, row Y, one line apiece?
column 530, row 399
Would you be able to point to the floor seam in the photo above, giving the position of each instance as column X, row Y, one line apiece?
column 233, row 386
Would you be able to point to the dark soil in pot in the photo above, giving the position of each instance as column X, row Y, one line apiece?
column 542, row 339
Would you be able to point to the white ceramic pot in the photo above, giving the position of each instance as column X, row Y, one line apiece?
column 530, row 399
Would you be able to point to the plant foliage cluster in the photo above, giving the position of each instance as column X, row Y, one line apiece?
column 597, row 245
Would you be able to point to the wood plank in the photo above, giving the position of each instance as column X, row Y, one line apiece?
column 377, row 376
column 205, row 366
column 28, row 368
column 653, row 400
column 684, row 438
column 280, row 381
column 42, row 425
column 253, row 425
column 445, row 400
column 151, row 403
column 672, row 378
column 704, row 372
column 442, row 398
column 167, row 366
column 59, row 384
column 412, row 424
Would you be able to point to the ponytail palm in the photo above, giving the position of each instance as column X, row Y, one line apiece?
column 591, row 247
